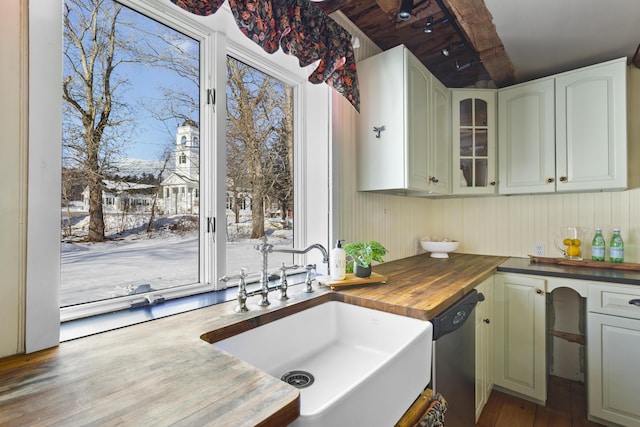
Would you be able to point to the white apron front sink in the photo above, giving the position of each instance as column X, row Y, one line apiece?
column 368, row 366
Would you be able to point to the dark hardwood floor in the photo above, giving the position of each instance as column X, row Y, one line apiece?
column 566, row 407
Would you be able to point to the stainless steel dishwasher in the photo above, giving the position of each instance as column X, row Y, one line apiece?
column 454, row 361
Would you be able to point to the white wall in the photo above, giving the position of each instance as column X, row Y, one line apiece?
column 13, row 39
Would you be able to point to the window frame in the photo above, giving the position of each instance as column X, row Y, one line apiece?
column 219, row 37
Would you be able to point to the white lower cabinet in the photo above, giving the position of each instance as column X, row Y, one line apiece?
column 613, row 351
column 484, row 345
column 520, row 335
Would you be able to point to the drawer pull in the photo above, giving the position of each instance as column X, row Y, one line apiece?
column 635, row 302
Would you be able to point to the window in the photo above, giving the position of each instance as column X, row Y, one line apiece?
column 122, row 135
column 259, row 166
column 145, row 216
column 214, row 34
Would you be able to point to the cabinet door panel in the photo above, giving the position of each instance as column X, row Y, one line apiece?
column 591, row 138
column 440, row 153
column 473, row 141
column 527, row 138
column 418, row 126
column 520, row 341
column 614, row 378
column 484, row 345
column 381, row 160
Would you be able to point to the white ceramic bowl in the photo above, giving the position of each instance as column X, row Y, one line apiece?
column 439, row 249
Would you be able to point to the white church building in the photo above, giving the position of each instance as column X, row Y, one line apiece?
column 180, row 190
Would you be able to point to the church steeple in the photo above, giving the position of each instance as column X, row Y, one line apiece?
column 187, row 151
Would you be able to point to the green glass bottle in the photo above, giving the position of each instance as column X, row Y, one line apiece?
column 616, row 249
column 598, row 246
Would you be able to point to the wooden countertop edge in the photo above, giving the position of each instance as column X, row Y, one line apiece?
column 23, row 377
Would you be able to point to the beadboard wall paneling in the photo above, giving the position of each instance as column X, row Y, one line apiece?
column 494, row 225
column 510, row 226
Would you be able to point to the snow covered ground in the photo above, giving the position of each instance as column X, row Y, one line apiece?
column 165, row 258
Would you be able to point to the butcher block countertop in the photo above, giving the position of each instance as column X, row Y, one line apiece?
column 164, row 372
column 421, row 286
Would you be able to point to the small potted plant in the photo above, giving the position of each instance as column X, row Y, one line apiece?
column 363, row 254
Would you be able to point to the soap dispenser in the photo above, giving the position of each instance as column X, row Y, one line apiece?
column 338, row 262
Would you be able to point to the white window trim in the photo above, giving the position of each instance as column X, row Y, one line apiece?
column 218, row 31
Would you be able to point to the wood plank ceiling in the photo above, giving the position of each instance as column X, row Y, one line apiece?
column 465, row 27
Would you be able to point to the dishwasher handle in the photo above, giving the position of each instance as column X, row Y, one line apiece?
column 455, row 316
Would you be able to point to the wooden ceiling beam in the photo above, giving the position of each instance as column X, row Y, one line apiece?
column 475, row 20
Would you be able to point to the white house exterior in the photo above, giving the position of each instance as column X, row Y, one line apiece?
column 118, row 196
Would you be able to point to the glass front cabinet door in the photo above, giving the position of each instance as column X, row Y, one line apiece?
column 474, row 141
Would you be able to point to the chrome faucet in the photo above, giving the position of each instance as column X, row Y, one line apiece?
column 265, row 248
column 325, row 259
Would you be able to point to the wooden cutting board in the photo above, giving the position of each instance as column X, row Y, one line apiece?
column 587, row 263
column 351, row 280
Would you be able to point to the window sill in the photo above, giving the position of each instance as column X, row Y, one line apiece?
column 79, row 328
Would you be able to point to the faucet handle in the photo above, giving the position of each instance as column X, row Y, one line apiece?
column 243, row 274
column 309, row 278
column 283, row 281
column 265, row 246
column 283, row 268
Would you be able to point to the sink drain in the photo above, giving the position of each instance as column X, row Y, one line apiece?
column 298, row 379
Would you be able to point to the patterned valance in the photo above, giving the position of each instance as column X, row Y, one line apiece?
column 301, row 29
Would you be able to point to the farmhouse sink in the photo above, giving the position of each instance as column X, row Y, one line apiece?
column 352, row 365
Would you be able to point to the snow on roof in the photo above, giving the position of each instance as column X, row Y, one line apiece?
column 125, row 186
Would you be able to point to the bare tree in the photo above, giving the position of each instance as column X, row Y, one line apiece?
column 90, row 88
column 154, row 203
column 99, row 41
column 255, row 114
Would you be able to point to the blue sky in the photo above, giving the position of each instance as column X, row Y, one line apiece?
column 152, row 137
column 147, row 137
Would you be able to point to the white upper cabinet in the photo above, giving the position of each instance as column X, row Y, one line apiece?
column 473, row 118
column 400, row 127
column 565, row 133
column 591, row 128
column 526, row 136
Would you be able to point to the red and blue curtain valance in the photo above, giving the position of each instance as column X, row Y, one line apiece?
column 301, row 29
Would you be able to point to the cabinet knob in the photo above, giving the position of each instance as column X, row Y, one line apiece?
column 492, row 183
column 550, row 180
column 563, row 179
column 487, row 321
column 433, row 179
column 539, row 291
